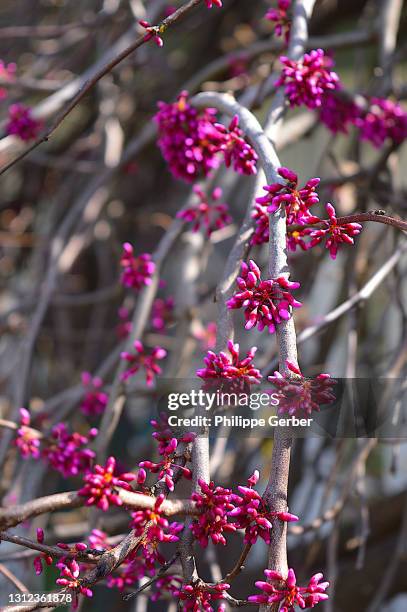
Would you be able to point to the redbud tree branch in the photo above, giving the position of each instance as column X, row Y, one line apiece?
column 53, row 551
column 12, row 516
column 276, row 491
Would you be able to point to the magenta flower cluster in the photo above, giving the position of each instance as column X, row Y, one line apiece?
column 200, row 596
column 21, row 123
column 67, row 452
column 162, row 313
column 261, row 233
column 129, row 573
column 236, row 151
column 64, row 451
column 190, row 141
column 141, row 359
column 383, row 120
column 297, row 202
column 338, row 112
column 334, row 233
column 70, row 580
column 266, row 303
column 164, row 436
column 230, row 367
column 101, row 485
column 287, row 593
column 214, row 504
column 378, row 119
column 186, row 138
column 28, row 440
column 94, row 400
column 311, row 82
column 154, row 526
column 307, row 80
column 280, row 16
column 151, row 33
column 299, row 394
column 168, row 469
column 252, row 514
column 137, row 271
column 208, row 212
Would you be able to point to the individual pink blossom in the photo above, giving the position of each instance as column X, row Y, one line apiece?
column 266, row 303
column 140, row 359
column 124, row 327
column 137, row 271
column 28, row 439
column 383, row 120
column 252, row 514
column 42, row 557
column 236, row 151
column 334, row 233
column 21, row 123
column 281, row 17
column 212, row 523
column 208, row 212
column 210, row 3
column 162, row 313
column 307, row 80
column 94, row 401
column 67, row 452
column 287, row 593
column 231, row 367
column 200, row 596
column 338, row 113
column 151, row 33
column 187, row 138
column 70, row 580
column 297, row 201
column 101, row 485
column 154, row 527
column 7, row 73
column 207, row 335
column 299, row 394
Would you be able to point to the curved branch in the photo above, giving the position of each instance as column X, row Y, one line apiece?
column 9, row 517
